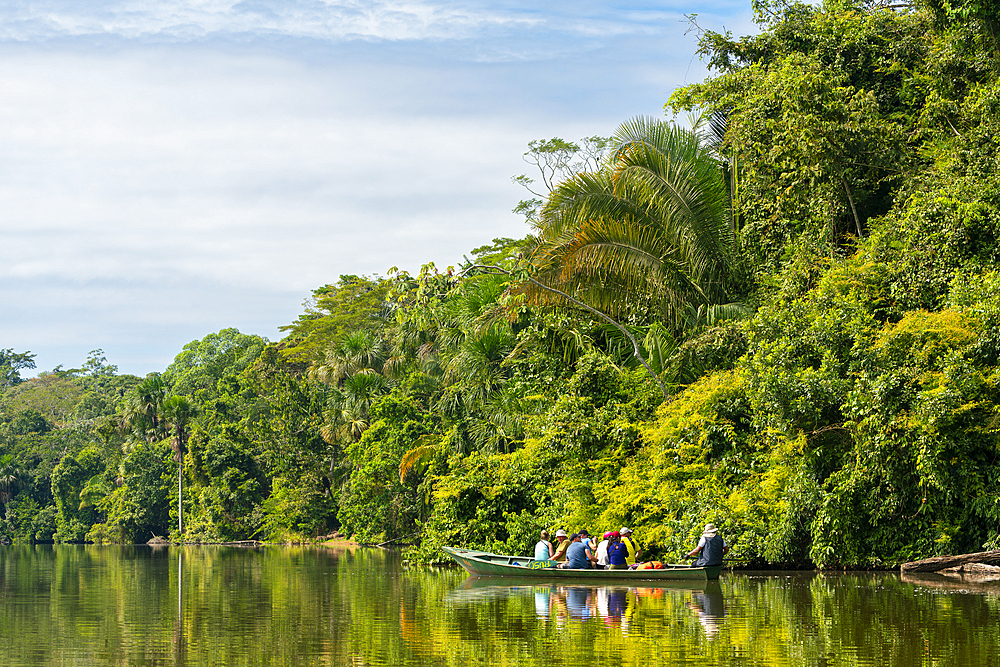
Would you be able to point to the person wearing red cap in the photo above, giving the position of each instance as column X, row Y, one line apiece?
column 617, row 553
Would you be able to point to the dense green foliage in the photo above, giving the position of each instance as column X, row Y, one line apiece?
column 812, row 277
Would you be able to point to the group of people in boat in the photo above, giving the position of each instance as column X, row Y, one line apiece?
column 618, row 550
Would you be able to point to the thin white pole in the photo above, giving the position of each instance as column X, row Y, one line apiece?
column 180, row 495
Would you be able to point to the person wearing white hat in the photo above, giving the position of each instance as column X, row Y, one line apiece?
column 630, row 543
column 561, row 545
column 711, row 548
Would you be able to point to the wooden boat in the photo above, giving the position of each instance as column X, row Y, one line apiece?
column 484, row 564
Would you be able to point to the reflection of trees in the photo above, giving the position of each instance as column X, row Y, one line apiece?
column 309, row 605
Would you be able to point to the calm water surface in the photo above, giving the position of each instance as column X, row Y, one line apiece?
column 91, row 605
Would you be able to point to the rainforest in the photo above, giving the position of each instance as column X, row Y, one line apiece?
column 777, row 309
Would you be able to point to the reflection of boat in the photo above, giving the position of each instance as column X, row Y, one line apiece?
column 481, row 563
column 572, row 598
column 495, row 586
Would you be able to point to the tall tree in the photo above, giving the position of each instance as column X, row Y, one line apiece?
column 556, row 160
column 353, row 303
column 822, row 108
column 9, row 475
column 648, row 235
column 200, row 365
column 178, row 411
column 142, row 408
column 11, row 365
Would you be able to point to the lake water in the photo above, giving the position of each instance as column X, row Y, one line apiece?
column 100, row 605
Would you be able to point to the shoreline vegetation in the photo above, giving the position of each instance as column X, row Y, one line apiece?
column 784, row 322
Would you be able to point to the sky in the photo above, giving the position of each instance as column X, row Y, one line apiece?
column 170, row 169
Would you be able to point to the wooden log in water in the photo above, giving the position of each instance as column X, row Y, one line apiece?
column 943, row 562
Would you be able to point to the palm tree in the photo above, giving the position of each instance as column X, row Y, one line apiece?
column 356, row 351
column 142, row 409
column 477, row 364
column 9, row 475
column 177, row 412
column 358, row 392
column 648, row 235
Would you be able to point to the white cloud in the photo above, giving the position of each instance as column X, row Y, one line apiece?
column 151, row 193
column 315, row 19
column 112, row 169
column 178, row 179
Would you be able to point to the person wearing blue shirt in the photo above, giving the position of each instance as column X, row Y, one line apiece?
column 618, row 552
column 577, row 554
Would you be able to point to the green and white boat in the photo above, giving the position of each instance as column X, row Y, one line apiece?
column 484, row 564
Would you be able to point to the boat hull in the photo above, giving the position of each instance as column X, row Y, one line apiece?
column 484, row 564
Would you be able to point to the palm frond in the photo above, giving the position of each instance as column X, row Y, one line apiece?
column 426, row 448
column 654, row 222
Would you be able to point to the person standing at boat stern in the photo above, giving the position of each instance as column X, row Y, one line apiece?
column 544, row 550
column 630, row 543
column 711, row 548
column 577, row 554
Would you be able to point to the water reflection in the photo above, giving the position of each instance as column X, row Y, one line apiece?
column 710, row 605
column 313, row 606
column 611, row 605
column 970, row 582
column 179, row 645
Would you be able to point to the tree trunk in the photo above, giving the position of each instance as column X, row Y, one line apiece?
column 857, row 221
column 944, row 562
column 180, row 496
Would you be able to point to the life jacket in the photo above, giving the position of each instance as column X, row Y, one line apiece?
column 711, row 553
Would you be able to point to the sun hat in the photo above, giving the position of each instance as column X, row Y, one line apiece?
column 710, row 530
column 560, row 533
column 625, row 530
